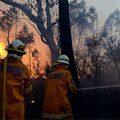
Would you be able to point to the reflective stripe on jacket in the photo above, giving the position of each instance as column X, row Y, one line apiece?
column 18, row 84
column 56, row 102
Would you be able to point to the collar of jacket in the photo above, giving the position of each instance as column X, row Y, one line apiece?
column 60, row 67
column 13, row 59
column 13, row 55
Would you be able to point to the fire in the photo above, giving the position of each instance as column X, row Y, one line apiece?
column 3, row 52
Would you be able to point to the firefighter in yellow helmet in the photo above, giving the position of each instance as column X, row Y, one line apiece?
column 59, row 84
column 18, row 83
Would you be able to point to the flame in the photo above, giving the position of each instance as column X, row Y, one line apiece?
column 32, row 101
column 3, row 52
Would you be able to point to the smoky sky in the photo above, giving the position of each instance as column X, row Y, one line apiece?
column 103, row 7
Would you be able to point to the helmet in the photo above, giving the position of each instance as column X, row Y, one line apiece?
column 62, row 59
column 16, row 47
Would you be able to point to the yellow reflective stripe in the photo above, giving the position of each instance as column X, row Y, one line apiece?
column 15, row 49
column 55, row 64
column 21, row 47
column 63, row 59
column 28, row 89
column 55, row 115
column 73, row 86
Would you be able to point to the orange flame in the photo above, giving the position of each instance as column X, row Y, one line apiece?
column 3, row 52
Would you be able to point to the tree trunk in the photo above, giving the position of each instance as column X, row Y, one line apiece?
column 30, row 60
column 66, row 48
column 8, row 36
column 48, row 36
column 51, row 42
column 53, row 49
column 65, row 37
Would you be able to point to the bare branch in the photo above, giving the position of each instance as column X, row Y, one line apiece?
column 25, row 10
column 51, row 5
column 54, row 23
column 6, row 13
column 32, row 7
column 40, row 10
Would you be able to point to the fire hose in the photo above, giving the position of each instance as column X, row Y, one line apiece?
column 100, row 87
column 4, row 89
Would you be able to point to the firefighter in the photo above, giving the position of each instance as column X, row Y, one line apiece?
column 18, row 83
column 59, row 84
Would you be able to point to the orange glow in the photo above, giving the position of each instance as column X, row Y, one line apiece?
column 32, row 101
column 3, row 52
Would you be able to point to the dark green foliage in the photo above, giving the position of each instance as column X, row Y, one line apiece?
column 81, row 16
column 36, row 67
column 35, row 54
column 111, row 41
column 94, row 50
column 8, row 19
column 25, row 36
column 83, row 24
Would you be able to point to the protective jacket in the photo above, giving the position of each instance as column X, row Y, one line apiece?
column 57, row 87
column 18, row 84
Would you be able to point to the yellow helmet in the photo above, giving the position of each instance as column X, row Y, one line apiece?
column 62, row 59
column 16, row 47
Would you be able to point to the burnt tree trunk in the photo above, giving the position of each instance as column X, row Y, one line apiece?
column 66, row 48
column 65, row 37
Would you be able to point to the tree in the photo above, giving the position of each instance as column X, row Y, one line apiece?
column 111, row 42
column 39, row 12
column 83, row 22
column 112, row 25
column 35, row 55
column 7, row 21
column 94, row 50
column 26, row 38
